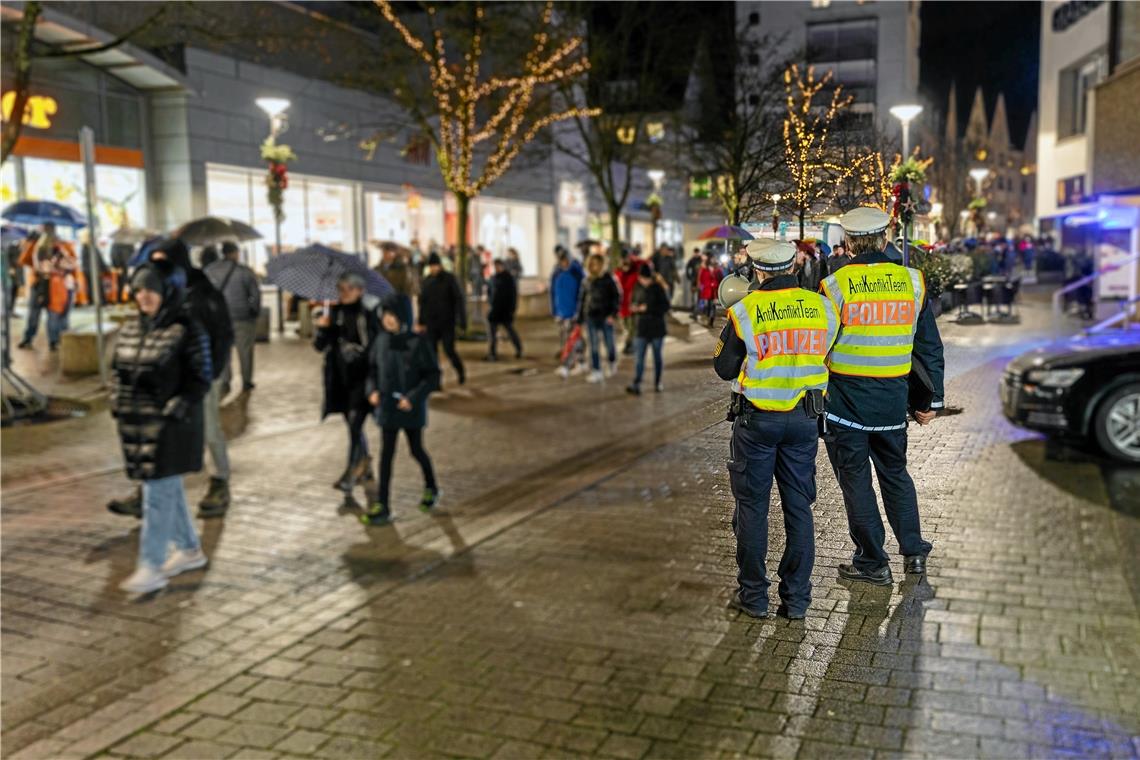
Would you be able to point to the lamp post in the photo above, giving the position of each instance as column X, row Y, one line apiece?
column 275, row 109
column 906, row 114
column 979, row 175
column 657, row 177
column 775, row 213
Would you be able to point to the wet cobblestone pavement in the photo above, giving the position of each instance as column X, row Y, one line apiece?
column 569, row 599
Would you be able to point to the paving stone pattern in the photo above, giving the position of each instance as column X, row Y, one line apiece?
column 571, row 601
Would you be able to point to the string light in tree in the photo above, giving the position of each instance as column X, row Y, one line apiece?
column 807, row 127
column 460, row 93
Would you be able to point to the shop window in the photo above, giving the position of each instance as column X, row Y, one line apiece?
column 120, row 190
column 500, row 224
column 9, row 191
column 1075, row 82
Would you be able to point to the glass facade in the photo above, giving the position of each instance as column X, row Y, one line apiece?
column 500, row 224
column 850, row 49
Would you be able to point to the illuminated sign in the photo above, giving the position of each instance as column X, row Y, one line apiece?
column 37, row 112
column 1071, row 191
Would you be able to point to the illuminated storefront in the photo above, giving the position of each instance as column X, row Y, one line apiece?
column 498, row 224
column 404, row 216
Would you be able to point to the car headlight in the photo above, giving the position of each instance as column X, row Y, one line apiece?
column 1054, row 378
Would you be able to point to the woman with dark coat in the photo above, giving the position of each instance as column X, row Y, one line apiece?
column 345, row 335
column 504, row 302
column 651, row 305
column 402, row 373
column 160, row 372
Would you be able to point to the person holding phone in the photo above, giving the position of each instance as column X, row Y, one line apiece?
column 402, row 373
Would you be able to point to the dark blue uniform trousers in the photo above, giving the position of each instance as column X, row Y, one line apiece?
column 851, row 453
column 782, row 444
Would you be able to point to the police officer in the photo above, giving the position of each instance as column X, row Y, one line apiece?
column 884, row 319
column 773, row 349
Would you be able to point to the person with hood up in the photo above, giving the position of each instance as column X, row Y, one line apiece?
column 345, row 334
column 160, row 373
column 402, row 373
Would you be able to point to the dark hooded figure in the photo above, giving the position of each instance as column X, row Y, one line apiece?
column 160, row 373
column 402, row 373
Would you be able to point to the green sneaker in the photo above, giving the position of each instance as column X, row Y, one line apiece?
column 431, row 499
column 377, row 514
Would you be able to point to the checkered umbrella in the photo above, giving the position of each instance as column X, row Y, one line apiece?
column 312, row 273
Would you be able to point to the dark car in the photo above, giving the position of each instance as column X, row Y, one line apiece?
column 1084, row 388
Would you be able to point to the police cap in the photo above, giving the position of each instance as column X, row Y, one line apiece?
column 770, row 255
column 865, row 220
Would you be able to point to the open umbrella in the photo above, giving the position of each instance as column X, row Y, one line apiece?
column 10, row 233
column 215, row 229
column 132, row 235
column 43, row 212
column 725, row 232
column 312, row 273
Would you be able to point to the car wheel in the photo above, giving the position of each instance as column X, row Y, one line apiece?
column 1117, row 424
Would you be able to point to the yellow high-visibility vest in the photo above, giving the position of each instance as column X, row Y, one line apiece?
column 878, row 309
column 787, row 334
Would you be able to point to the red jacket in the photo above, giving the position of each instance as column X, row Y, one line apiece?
column 708, row 281
column 627, row 278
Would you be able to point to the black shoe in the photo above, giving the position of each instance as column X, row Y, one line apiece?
column 248, row 387
column 490, row 358
column 346, row 481
column 915, row 564
column 26, row 344
column 880, row 577
column 784, row 612
column 430, row 499
column 377, row 514
column 130, row 506
column 216, row 501
column 361, row 471
column 633, row 390
column 735, row 604
column 463, row 379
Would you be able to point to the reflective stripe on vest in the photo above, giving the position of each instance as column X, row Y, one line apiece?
column 787, row 334
column 878, row 308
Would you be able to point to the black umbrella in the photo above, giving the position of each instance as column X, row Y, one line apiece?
column 312, row 273
column 215, row 229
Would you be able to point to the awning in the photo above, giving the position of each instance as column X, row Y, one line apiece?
column 127, row 62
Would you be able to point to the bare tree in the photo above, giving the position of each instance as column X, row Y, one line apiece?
column 741, row 149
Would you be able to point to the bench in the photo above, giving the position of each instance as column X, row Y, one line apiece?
column 77, row 349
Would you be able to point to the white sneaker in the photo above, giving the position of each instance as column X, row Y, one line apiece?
column 563, row 372
column 183, row 560
column 595, row 377
column 144, row 580
column 660, row 387
column 579, row 368
column 611, row 368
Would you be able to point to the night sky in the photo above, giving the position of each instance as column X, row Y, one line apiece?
column 992, row 44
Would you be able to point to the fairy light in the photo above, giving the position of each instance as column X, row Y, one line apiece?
column 806, row 131
column 458, row 90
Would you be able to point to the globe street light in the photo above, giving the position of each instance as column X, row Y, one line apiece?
column 657, row 177
column 906, row 114
column 775, row 213
column 275, row 109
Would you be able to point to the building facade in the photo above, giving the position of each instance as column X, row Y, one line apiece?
column 1088, row 191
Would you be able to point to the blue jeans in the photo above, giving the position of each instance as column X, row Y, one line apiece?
column 166, row 520
column 639, row 346
column 852, row 453
column 599, row 328
column 780, row 444
column 32, row 325
column 56, row 324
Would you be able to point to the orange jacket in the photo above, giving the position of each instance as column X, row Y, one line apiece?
column 58, row 290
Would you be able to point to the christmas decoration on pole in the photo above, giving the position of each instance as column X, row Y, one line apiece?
column 807, row 127
column 277, row 178
column 477, row 124
column 904, row 176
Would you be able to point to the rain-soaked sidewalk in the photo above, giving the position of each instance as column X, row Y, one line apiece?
column 570, row 598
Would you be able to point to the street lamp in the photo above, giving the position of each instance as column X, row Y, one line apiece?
column 775, row 213
column 275, row 109
column 979, row 174
column 657, row 177
column 906, row 114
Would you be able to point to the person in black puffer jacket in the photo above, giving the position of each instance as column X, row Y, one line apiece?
column 504, row 297
column 598, row 304
column 344, row 336
column 402, row 373
column 160, row 373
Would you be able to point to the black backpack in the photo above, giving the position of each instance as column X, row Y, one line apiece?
column 206, row 304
